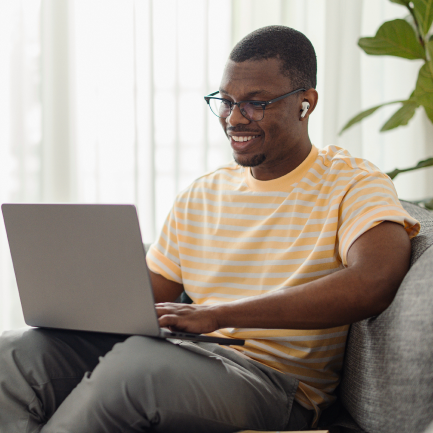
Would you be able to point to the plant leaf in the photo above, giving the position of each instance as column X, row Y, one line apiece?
column 394, row 38
column 401, row 2
column 363, row 115
column 424, row 90
column 424, row 13
column 421, row 164
column 426, row 202
column 401, row 116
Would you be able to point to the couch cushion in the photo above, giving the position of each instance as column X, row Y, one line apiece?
column 388, row 374
column 429, row 428
column 425, row 237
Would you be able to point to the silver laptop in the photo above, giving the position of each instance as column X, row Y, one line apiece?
column 83, row 267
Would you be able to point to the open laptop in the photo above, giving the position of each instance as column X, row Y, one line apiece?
column 83, row 267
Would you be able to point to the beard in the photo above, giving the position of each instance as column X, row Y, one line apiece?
column 252, row 161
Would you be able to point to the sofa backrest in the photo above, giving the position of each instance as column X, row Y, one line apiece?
column 387, row 381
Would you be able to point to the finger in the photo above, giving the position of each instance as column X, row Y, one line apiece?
column 168, row 320
column 162, row 309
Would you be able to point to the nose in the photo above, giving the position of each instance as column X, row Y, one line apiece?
column 236, row 117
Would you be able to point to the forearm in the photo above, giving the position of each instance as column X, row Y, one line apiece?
column 377, row 263
column 343, row 297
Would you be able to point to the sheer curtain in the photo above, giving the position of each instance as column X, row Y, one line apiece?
column 20, row 130
column 101, row 101
column 143, row 131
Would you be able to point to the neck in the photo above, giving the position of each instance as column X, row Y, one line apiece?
column 277, row 169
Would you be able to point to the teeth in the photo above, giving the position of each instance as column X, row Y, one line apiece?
column 242, row 139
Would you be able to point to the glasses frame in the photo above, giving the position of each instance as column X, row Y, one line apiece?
column 263, row 104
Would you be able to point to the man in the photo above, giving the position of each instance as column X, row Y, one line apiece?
column 284, row 247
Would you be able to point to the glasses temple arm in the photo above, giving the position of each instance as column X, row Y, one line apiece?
column 285, row 96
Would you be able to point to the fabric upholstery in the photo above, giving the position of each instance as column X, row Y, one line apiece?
column 429, row 428
column 425, row 236
column 387, row 383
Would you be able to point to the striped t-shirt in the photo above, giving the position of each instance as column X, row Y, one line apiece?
column 230, row 236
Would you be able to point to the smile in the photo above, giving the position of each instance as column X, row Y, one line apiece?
column 243, row 143
column 240, row 138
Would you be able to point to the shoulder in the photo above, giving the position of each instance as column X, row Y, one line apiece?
column 337, row 157
column 339, row 163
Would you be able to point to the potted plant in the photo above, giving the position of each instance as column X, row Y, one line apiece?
column 407, row 38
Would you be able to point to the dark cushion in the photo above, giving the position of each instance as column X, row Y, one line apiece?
column 387, row 382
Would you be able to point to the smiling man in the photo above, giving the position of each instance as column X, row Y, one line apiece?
column 284, row 247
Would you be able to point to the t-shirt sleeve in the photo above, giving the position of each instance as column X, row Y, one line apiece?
column 163, row 256
column 368, row 202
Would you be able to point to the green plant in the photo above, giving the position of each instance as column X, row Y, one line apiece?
column 408, row 38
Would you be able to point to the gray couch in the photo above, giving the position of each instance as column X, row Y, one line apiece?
column 387, row 384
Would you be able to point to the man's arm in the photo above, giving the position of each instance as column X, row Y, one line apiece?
column 164, row 290
column 377, row 263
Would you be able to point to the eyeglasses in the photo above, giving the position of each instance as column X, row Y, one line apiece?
column 251, row 110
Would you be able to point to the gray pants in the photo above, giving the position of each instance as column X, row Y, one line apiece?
column 54, row 381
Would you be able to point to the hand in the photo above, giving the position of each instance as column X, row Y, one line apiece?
column 199, row 319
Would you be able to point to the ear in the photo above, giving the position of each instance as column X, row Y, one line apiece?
column 310, row 97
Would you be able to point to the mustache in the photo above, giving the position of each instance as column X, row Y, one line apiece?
column 237, row 129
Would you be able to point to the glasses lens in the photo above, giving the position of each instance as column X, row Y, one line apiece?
column 252, row 111
column 219, row 107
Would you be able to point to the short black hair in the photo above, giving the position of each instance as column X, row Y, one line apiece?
column 293, row 48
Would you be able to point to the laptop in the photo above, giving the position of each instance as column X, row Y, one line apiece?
column 83, row 267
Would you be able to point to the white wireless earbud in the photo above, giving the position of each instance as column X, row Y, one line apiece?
column 305, row 107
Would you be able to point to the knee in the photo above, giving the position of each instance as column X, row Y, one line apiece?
column 25, row 349
column 26, row 339
column 16, row 349
column 135, row 356
column 129, row 365
column 144, row 355
column 18, row 344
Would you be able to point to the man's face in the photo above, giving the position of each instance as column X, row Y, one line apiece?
column 278, row 135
